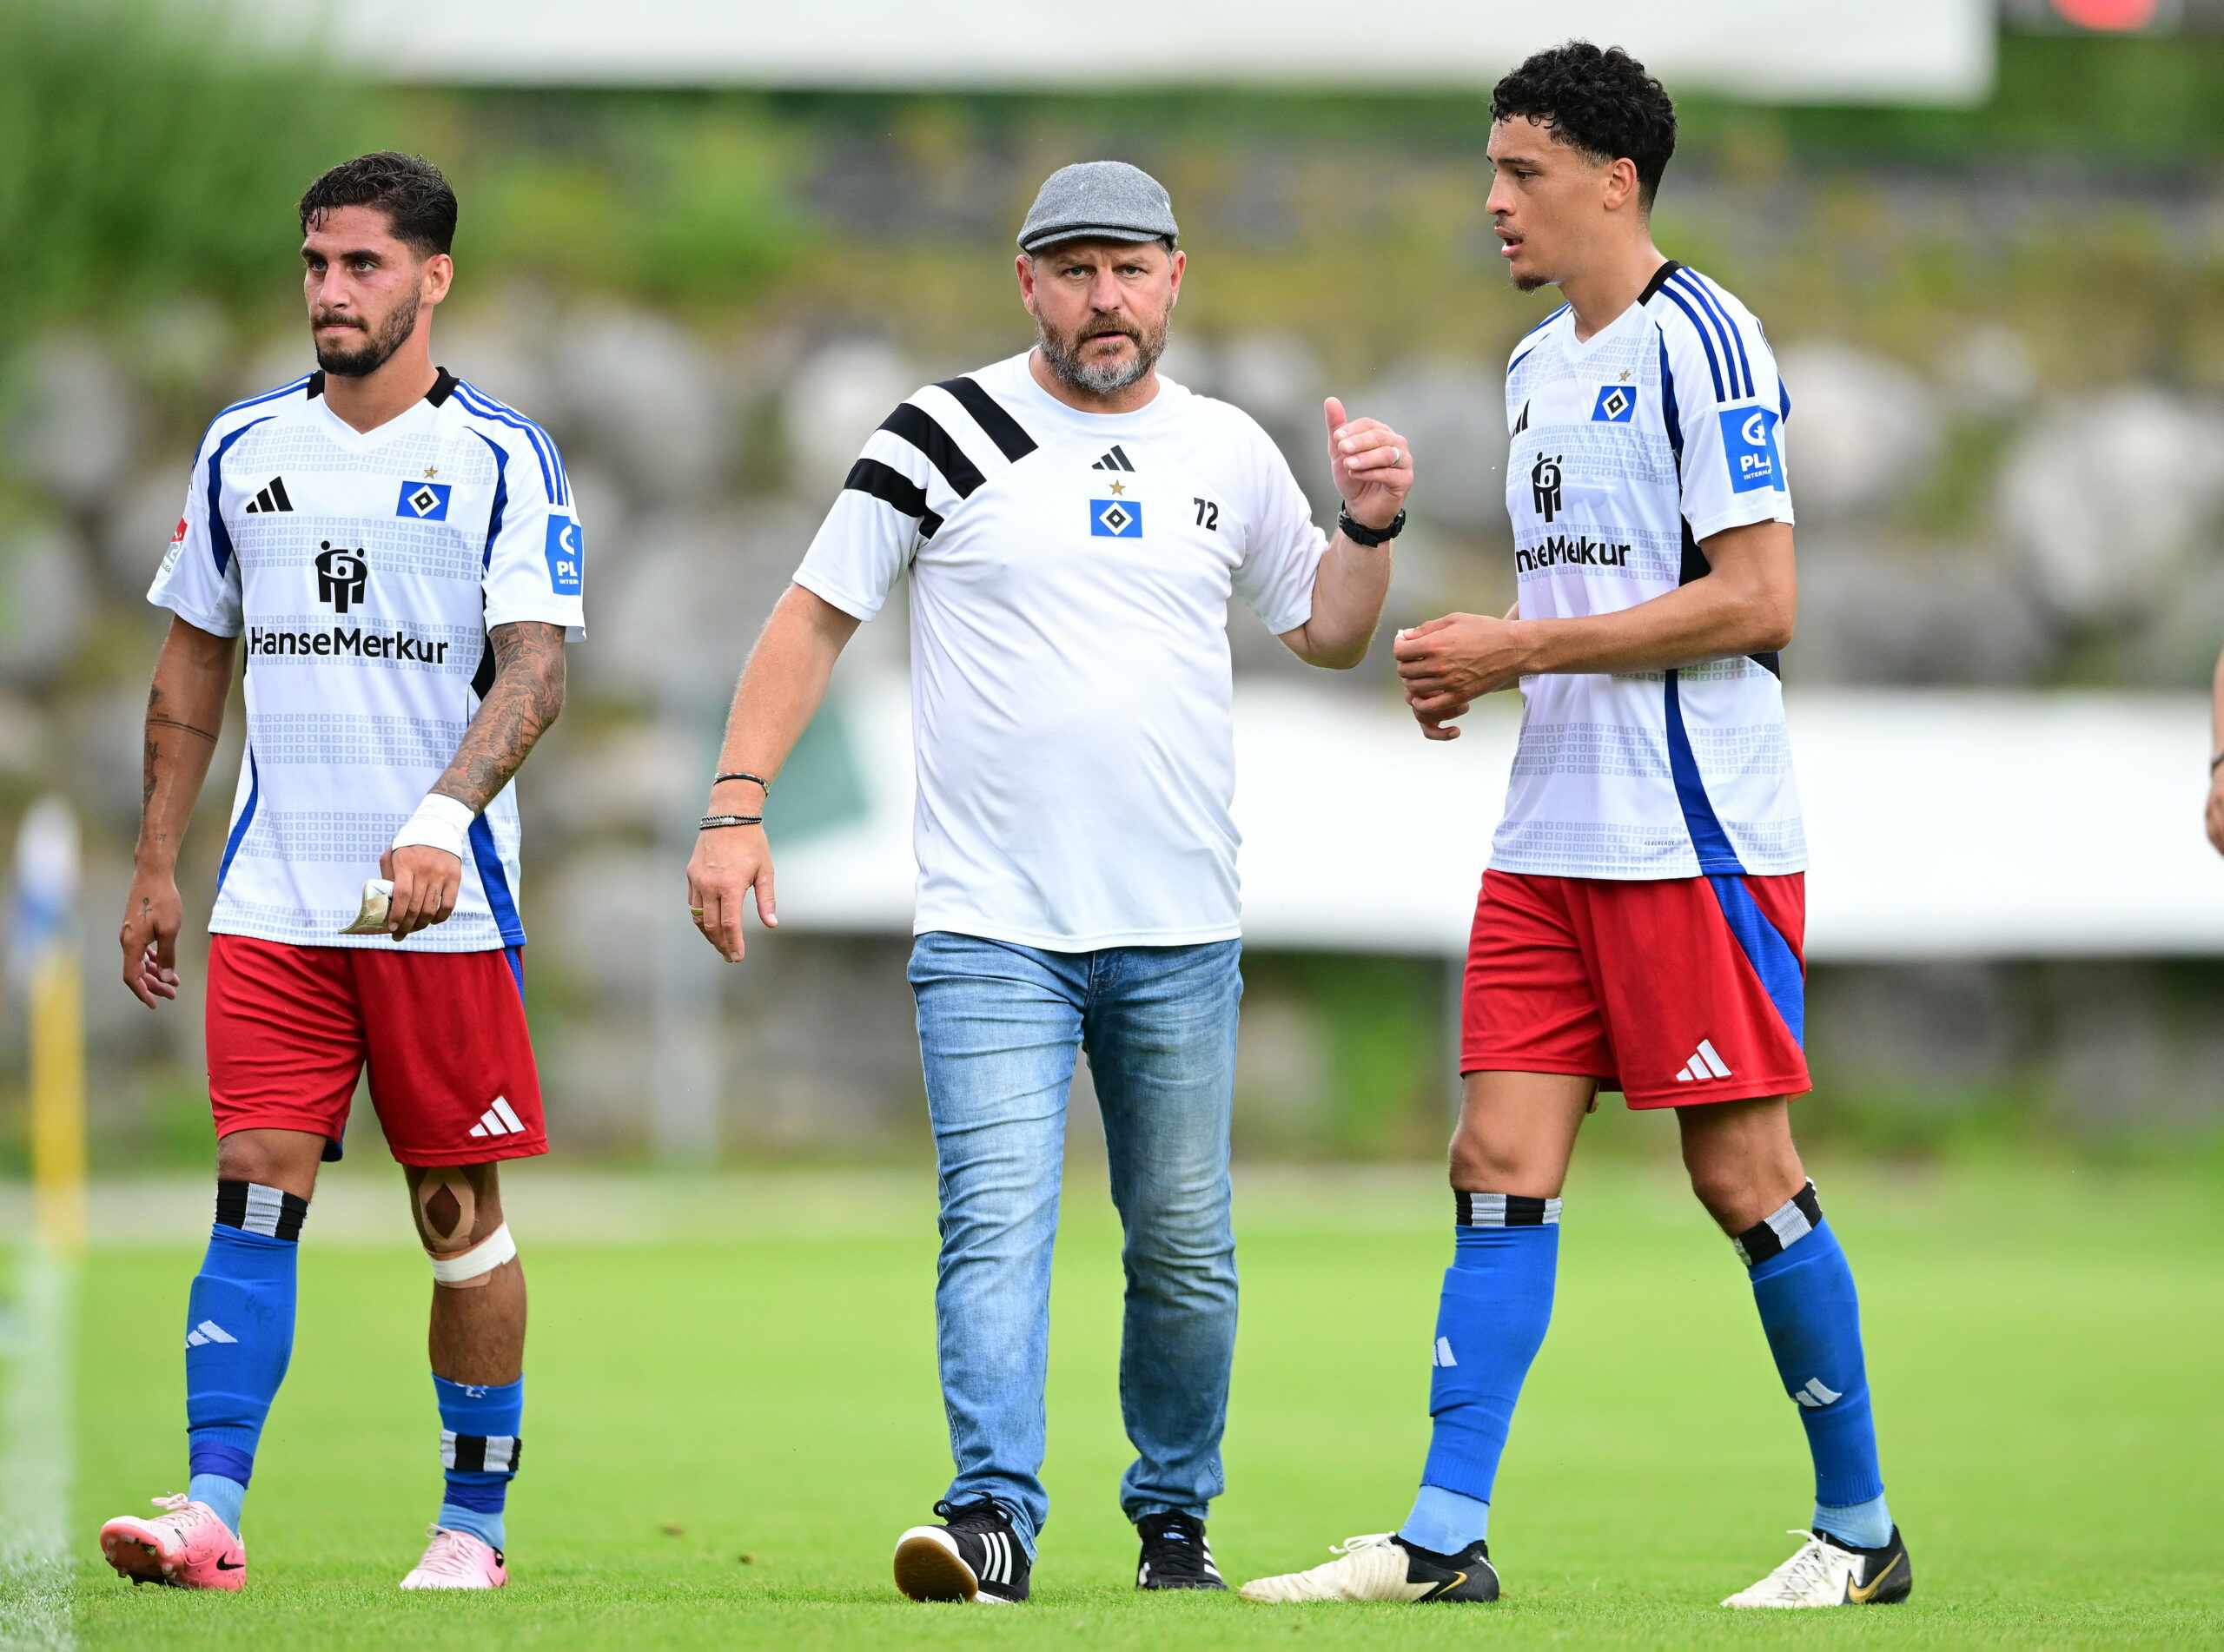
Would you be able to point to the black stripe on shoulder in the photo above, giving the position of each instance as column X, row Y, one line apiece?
column 893, row 487
column 998, row 426
column 1659, row 279
column 315, row 384
column 919, row 428
column 443, row 387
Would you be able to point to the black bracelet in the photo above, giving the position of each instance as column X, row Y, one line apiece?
column 743, row 774
column 712, row 823
column 1360, row 533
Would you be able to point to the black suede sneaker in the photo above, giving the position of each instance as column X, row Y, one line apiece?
column 1175, row 1554
column 975, row 1556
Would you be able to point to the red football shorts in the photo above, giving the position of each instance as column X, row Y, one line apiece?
column 1673, row 991
column 451, row 1073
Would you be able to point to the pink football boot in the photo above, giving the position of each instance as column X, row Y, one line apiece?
column 457, row 1560
column 189, row 1547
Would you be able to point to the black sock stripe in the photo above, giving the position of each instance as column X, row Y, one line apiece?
column 919, row 428
column 1765, row 1239
column 255, row 1208
column 996, row 425
column 1505, row 1210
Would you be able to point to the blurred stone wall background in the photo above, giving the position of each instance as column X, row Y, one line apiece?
column 2003, row 331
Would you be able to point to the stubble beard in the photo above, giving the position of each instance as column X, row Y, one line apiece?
column 1101, row 378
column 378, row 346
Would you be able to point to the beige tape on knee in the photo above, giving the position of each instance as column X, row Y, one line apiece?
column 464, row 1269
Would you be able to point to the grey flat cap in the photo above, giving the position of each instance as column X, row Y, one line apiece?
column 1099, row 201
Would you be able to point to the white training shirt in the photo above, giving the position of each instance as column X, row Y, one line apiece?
column 1628, row 448
column 365, row 571
column 1070, row 688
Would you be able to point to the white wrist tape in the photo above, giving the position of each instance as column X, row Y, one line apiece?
column 440, row 822
column 480, row 1259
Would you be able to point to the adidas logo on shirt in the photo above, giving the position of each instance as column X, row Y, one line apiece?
column 1705, row 1063
column 500, row 1120
column 1114, row 461
column 272, row 498
column 209, row 1331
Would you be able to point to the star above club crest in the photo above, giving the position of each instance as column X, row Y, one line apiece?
column 431, row 470
column 1120, row 488
column 1624, row 378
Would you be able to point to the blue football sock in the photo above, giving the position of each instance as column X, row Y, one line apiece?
column 478, row 1454
column 1804, row 1289
column 1490, row 1322
column 239, row 1337
column 222, row 1493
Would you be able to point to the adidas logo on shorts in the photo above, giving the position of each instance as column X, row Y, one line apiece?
column 1705, row 1063
column 500, row 1120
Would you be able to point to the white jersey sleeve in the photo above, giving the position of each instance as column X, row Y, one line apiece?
column 199, row 580
column 1282, row 546
column 894, row 496
column 1726, row 406
column 536, row 547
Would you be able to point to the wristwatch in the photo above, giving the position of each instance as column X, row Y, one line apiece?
column 1360, row 533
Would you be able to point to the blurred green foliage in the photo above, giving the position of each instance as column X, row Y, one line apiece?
column 143, row 159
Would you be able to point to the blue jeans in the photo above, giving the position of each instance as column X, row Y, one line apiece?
column 998, row 1027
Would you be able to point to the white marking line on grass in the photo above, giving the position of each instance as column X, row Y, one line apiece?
column 35, row 1438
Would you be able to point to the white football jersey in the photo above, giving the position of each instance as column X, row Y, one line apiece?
column 1629, row 448
column 1072, row 704
column 365, row 570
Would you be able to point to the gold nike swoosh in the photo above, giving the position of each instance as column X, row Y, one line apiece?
column 1457, row 1579
column 1857, row 1595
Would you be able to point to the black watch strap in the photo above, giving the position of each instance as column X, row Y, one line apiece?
column 1360, row 533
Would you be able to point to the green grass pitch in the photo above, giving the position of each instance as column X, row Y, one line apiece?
column 2045, row 1348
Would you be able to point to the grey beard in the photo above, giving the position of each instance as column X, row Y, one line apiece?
column 1103, row 379
column 377, row 348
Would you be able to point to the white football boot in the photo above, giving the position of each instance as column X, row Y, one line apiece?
column 1827, row 1571
column 1384, row 1567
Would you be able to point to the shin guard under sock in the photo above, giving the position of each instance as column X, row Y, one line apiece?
column 239, row 1337
column 1490, row 1321
column 478, row 1454
column 1804, row 1288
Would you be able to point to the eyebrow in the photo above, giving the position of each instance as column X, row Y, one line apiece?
column 359, row 252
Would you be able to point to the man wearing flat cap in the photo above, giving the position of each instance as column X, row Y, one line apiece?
column 1074, row 525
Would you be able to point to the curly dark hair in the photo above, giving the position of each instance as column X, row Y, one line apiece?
column 1601, row 103
column 420, row 207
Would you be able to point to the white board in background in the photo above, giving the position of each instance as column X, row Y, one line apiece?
column 1875, row 51
column 1942, row 823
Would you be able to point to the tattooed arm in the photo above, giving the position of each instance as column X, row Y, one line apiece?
column 527, row 694
column 185, row 712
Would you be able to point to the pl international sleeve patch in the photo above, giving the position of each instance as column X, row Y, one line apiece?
column 567, row 550
column 1749, row 448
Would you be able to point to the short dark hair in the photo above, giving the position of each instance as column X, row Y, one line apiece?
column 420, row 207
column 1601, row 103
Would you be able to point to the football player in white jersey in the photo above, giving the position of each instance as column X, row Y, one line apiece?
column 1073, row 526
column 1640, row 926
column 401, row 554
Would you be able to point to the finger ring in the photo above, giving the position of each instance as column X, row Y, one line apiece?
column 1397, row 459
column 696, row 910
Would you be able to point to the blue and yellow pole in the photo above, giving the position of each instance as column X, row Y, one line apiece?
column 46, row 953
